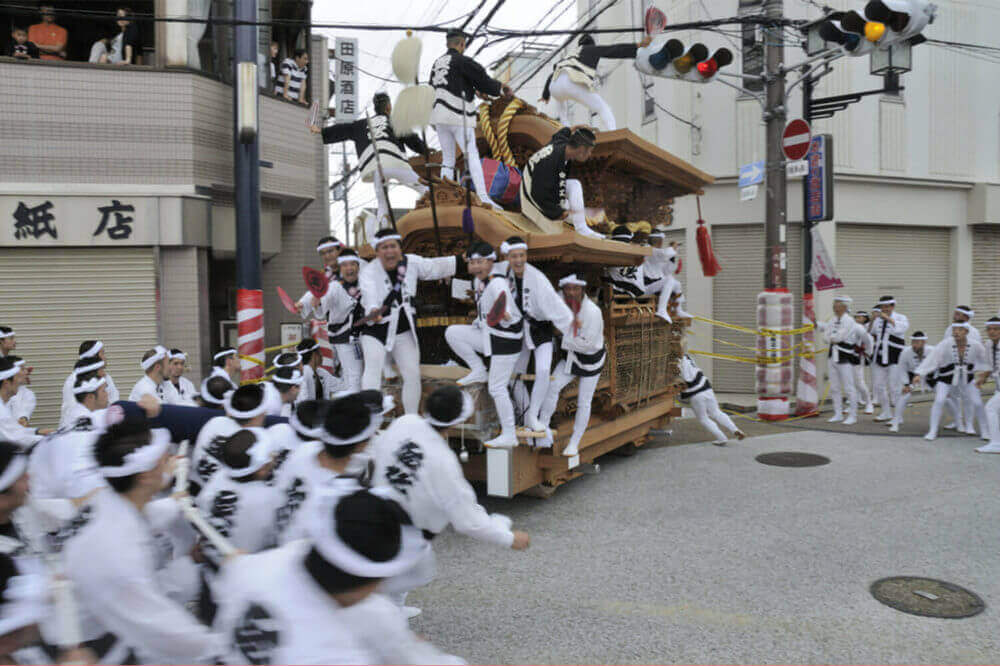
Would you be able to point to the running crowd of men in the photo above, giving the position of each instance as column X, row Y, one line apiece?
column 955, row 369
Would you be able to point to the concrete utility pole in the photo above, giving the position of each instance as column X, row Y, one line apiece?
column 776, row 202
column 246, row 181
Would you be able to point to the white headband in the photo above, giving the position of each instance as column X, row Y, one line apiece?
column 143, row 458
column 656, row 233
column 886, row 301
column 365, row 434
column 843, row 299
column 326, row 540
column 966, row 311
column 301, row 428
column 993, row 321
column 963, row 324
column 20, row 363
column 207, row 396
column 260, row 454
column 180, row 355
column 572, row 279
column 507, row 248
column 96, row 365
column 25, row 602
column 7, row 335
column 298, row 359
column 306, row 351
column 223, row 353
column 234, row 413
column 90, row 385
column 475, row 255
column 7, row 374
column 17, row 466
column 296, row 378
column 919, row 337
column 468, row 407
column 329, row 245
column 93, row 350
column 348, row 257
column 388, row 237
column 161, row 353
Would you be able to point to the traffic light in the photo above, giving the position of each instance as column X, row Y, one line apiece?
column 852, row 32
column 904, row 20
column 667, row 58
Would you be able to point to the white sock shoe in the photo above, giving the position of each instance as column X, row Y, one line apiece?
column 851, row 420
column 883, row 417
column 929, row 437
column 720, row 442
column 893, row 427
column 992, row 447
column 869, row 408
column 474, row 377
column 572, row 450
column 950, row 426
column 836, row 418
column 502, row 442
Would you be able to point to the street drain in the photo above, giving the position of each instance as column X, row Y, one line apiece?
column 927, row 597
column 792, row 459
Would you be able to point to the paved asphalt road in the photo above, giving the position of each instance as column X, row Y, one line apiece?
column 699, row 554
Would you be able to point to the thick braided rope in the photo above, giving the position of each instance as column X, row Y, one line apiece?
column 503, row 127
column 487, row 129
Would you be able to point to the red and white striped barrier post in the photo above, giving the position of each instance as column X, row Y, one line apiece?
column 807, row 391
column 774, row 370
column 321, row 335
column 250, row 331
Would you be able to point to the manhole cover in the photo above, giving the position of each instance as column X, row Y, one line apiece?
column 792, row 459
column 927, row 597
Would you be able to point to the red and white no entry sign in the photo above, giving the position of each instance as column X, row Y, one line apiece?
column 795, row 139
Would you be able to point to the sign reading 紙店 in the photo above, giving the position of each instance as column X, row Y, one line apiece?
column 33, row 220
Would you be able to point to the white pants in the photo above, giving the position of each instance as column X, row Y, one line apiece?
column 883, row 388
column 407, row 356
column 467, row 343
column 531, row 405
column 560, row 380
column 841, row 386
column 450, row 136
column 351, row 366
column 993, row 417
column 864, row 396
column 403, row 176
column 706, row 409
column 577, row 211
column 967, row 391
column 420, row 574
column 563, row 89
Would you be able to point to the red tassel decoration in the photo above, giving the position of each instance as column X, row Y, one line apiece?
column 709, row 266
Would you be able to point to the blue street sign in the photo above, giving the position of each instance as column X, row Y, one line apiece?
column 752, row 174
column 819, row 180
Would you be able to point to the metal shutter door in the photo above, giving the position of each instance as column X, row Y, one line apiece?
column 740, row 251
column 985, row 273
column 911, row 263
column 57, row 298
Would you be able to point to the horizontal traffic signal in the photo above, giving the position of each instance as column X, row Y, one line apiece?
column 669, row 59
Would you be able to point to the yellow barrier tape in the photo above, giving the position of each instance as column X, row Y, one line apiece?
column 271, row 349
column 769, row 332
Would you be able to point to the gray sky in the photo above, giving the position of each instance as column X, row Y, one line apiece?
column 376, row 49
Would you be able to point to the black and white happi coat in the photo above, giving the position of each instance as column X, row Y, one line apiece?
column 506, row 337
column 426, row 479
column 391, row 151
column 845, row 337
column 954, row 369
column 695, row 381
column 543, row 181
column 910, row 360
column 585, row 350
column 378, row 289
column 457, row 77
column 539, row 303
column 342, row 305
column 889, row 340
column 242, row 511
column 207, row 451
column 581, row 67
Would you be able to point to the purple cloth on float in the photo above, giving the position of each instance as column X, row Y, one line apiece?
column 185, row 422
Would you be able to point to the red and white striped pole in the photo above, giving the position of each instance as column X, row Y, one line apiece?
column 321, row 335
column 250, row 331
column 806, row 390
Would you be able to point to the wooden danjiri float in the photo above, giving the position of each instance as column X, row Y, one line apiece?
column 633, row 181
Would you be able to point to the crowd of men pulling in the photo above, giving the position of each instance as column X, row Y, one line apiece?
column 955, row 369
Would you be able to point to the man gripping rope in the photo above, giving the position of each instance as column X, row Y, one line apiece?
column 844, row 335
column 887, row 331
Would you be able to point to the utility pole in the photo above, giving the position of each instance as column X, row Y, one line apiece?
column 776, row 201
column 347, row 208
column 246, row 177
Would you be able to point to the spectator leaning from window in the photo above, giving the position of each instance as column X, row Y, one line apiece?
column 20, row 47
column 274, row 63
column 126, row 47
column 49, row 37
column 294, row 78
column 100, row 52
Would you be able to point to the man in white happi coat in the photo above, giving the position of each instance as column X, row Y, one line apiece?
column 963, row 412
column 113, row 557
column 425, row 477
column 497, row 332
column 23, row 404
column 388, row 286
column 10, row 429
column 888, row 330
column 315, row 601
column 344, row 312
column 176, row 366
column 585, row 354
column 906, row 370
column 8, row 341
column 244, row 408
column 955, row 366
column 283, row 391
column 544, row 311
column 699, row 393
column 154, row 382
column 992, row 408
column 844, row 335
column 92, row 356
column 226, row 364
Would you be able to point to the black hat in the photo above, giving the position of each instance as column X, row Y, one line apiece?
column 586, row 39
column 454, row 33
column 448, row 406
